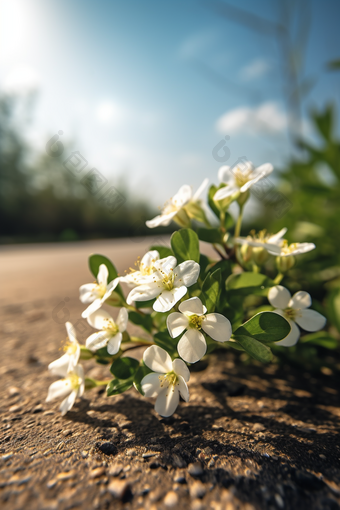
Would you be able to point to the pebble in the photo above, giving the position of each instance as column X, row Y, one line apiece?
column 150, row 454
column 258, row 427
column 66, row 475
column 197, row 490
column 211, row 464
column 97, row 472
column 15, row 409
column 198, row 505
column 171, row 499
column 279, row 501
column 108, row 448
column 7, row 456
column 116, row 469
column 195, row 469
column 51, row 483
column 84, row 454
column 322, row 456
column 180, row 479
column 178, row 461
column 13, row 390
column 67, row 432
column 118, row 488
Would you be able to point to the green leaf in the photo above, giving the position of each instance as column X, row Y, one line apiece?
column 224, row 265
column 115, row 387
column 144, row 321
column 164, row 340
column 95, row 261
column 210, row 235
column 163, row 251
column 228, row 221
column 204, row 263
column 333, row 306
column 124, row 368
column 321, row 339
column 211, row 290
column 249, row 283
column 185, row 245
column 266, row 327
column 144, row 304
column 141, row 372
column 254, row 348
column 212, row 204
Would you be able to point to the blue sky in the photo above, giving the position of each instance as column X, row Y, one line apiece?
column 147, row 89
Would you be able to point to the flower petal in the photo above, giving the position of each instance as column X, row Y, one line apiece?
column 176, row 324
column 277, row 237
column 114, row 344
column 97, row 303
column 167, row 401
column 192, row 306
column 149, row 259
column 168, row 298
column 157, row 359
column 192, row 346
column 103, row 275
column 164, row 266
column 97, row 340
column 299, row 248
column 279, row 296
column 292, row 337
column 183, row 389
column 61, row 365
column 217, row 327
column 200, row 190
column 225, row 174
column 225, row 192
column 87, row 293
column 59, row 389
column 186, row 273
column 162, row 220
column 144, row 292
column 151, row 385
column 122, row 319
column 311, row 320
column 110, row 288
column 180, row 368
column 99, row 319
column 182, row 196
column 71, row 332
column 67, row 404
column 300, row 300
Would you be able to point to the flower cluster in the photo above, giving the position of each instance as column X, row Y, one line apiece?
column 186, row 305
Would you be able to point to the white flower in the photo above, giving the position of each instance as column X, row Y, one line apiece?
column 294, row 309
column 287, row 250
column 72, row 352
column 167, row 381
column 192, row 346
column 145, row 272
column 174, row 206
column 240, row 178
column 97, row 293
column 169, row 283
column 111, row 331
column 69, row 388
column 263, row 240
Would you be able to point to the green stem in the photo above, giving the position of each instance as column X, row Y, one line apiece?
column 239, row 223
column 278, row 278
column 256, row 268
column 139, row 340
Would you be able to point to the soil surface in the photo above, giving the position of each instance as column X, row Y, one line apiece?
column 251, row 437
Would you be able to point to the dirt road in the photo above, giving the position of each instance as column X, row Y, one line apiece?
column 251, row 437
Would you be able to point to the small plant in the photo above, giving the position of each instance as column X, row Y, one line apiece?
column 186, row 303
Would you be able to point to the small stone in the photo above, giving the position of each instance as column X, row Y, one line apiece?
column 279, row 501
column 150, row 454
column 198, row 505
column 37, row 409
column 171, row 499
column 66, row 475
column 322, row 456
column 51, row 483
column 15, row 409
column 13, row 390
column 7, row 456
column 84, row 454
column 178, row 461
column 231, row 452
column 197, row 490
column 108, row 448
column 258, row 427
column 217, row 427
column 118, row 488
column 211, row 464
column 116, row 469
column 195, row 469
column 154, row 464
column 67, row 432
column 180, row 479
column 97, row 472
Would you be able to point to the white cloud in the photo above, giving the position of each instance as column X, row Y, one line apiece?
column 255, row 69
column 266, row 118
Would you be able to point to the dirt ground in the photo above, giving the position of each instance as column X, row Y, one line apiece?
column 251, row 437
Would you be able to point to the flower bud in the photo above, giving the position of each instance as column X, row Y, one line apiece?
column 283, row 264
column 246, row 252
column 243, row 197
column 182, row 219
column 260, row 255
